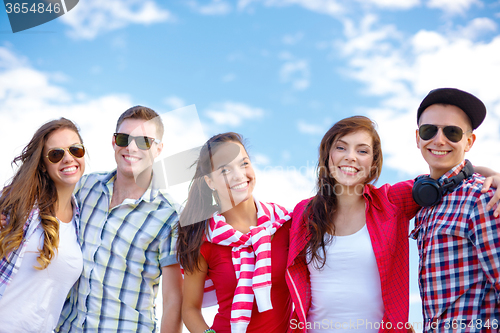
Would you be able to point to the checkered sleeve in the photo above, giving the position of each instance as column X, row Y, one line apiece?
column 484, row 232
column 168, row 239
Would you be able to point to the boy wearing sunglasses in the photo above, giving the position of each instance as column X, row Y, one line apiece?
column 127, row 238
column 458, row 237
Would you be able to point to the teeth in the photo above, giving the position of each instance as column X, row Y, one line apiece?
column 70, row 169
column 349, row 169
column 131, row 159
column 439, row 152
column 239, row 187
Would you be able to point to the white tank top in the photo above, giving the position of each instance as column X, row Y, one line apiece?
column 34, row 299
column 346, row 293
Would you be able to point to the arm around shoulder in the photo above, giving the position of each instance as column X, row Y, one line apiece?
column 492, row 180
column 400, row 194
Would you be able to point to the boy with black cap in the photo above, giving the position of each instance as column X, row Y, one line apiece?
column 458, row 238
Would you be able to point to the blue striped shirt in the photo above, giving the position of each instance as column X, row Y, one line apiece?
column 124, row 249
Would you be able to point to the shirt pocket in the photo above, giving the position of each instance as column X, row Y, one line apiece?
column 451, row 229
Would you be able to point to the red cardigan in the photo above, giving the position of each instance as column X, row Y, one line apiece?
column 388, row 212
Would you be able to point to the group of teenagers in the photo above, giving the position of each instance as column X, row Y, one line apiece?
column 85, row 253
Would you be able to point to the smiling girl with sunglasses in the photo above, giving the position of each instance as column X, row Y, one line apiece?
column 40, row 258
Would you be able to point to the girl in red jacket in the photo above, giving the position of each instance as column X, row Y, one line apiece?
column 348, row 260
column 347, row 266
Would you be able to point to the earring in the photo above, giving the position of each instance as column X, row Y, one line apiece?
column 215, row 197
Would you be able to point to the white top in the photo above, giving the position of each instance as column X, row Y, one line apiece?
column 34, row 299
column 346, row 292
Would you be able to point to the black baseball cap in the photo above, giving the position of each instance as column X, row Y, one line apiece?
column 470, row 104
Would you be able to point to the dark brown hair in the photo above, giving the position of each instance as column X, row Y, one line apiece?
column 321, row 209
column 31, row 186
column 144, row 113
column 193, row 221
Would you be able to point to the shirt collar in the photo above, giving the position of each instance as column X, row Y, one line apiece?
column 367, row 193
column 108, row 182
column 453, row 172
column 156, row 187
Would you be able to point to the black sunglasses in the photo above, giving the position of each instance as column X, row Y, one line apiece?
column 453, row 133
column 142, row 142
column 55, row 155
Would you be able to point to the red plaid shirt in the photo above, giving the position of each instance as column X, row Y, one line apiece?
column 388, row 212
column 459, row 269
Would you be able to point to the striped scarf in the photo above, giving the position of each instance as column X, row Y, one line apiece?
column 251, row 256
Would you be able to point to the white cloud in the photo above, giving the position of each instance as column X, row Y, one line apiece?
column 307, row 128
column 401, row 71
column 365, row 38
column 174, row 102
column 9, row 60
column 215, row 7
column 260, row 159
column 29, row 98
column 293, row 39
column 397, row 133
column 297, row 73
column 392, row 4
column 452, row 7
column 328, row 7
column 372, row 58
column 92, row 17
column 183, row 132
column 232, row 113
column 284, row 185
column 334, row 8
column 427, row 41
column 477, row 27
column 25, row 87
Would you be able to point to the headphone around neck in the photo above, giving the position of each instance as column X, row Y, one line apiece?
column 428, row 192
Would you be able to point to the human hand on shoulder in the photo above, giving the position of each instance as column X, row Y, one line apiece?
column 492, row 180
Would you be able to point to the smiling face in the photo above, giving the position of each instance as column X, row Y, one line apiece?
column 132, row 161
column 68, row 171
column 439, row 152
column 351, row 158
column 233, row 177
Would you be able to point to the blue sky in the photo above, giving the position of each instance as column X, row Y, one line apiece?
column 280, row 72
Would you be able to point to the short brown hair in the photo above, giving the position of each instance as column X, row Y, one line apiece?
column 142, row 112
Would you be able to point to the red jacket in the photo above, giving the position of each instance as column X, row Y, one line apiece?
column 388, row 212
